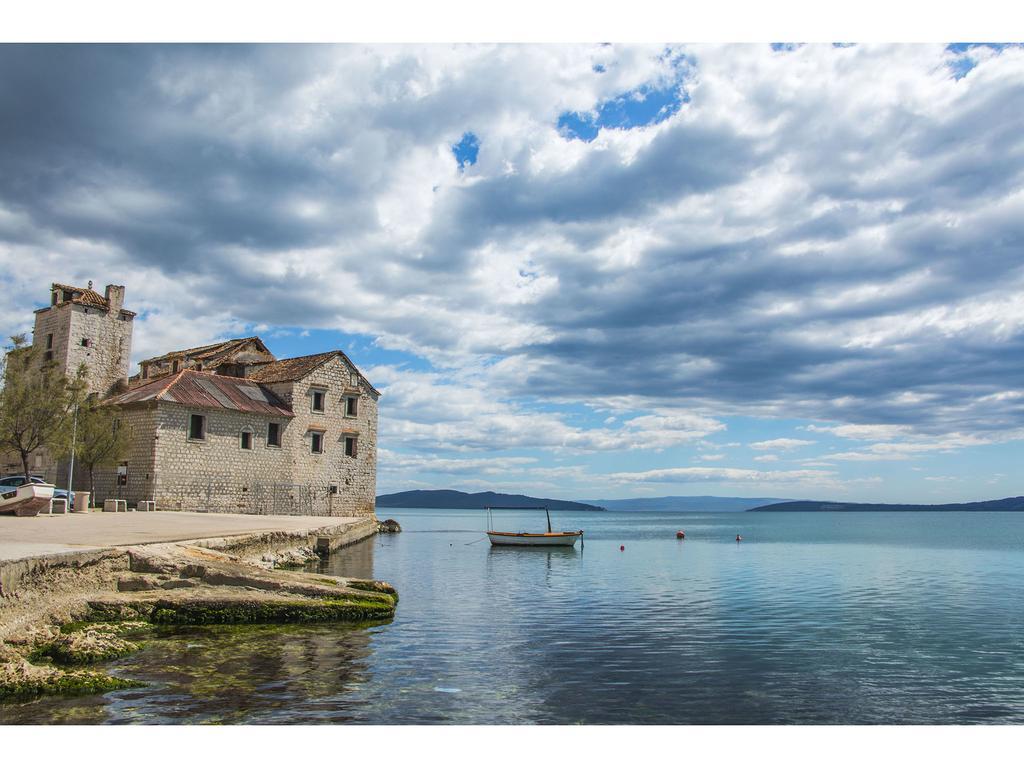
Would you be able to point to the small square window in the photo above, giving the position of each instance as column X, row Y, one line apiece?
column 334, row 490
column 317, row 402
column 86, row 343
column 316, row 443
column 246, row 440
column 274, row 435
column 196, row 427
column 350, row 446
column 351, row 406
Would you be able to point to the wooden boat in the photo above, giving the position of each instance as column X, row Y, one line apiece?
column 523, row 539
column 26, row 500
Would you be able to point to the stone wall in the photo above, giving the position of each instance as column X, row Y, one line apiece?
column 354, row 479
column 109, row 342
column 215, row 473
column 141, row 421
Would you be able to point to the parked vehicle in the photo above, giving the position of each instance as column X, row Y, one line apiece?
column 16, row 481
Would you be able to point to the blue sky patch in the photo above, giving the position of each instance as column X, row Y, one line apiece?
column 964, row 63
column 467, row 150
column 646, row 105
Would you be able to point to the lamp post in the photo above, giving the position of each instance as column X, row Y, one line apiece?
column 71, row 466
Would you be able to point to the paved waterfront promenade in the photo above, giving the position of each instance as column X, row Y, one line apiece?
column 45, row 535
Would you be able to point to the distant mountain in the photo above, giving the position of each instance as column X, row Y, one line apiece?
column 682, row 504
column 460, row 500
column 1012, row 504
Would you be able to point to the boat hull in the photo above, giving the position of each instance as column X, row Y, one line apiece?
column 561, row 539
column 26, row 500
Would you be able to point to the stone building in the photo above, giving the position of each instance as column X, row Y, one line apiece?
column 296, row 436
column 225, row 427
column 82, row 327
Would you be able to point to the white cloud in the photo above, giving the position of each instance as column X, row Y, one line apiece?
column 780, row 444
column 724, row 474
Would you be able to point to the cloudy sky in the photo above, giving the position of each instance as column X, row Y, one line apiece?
column 580, row 270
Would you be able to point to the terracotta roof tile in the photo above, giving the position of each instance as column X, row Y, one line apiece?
column 290, row 369
column 87, row 297
column 209, row 351
column 295, row 368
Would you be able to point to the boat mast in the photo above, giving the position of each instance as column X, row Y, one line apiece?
column 549, row 518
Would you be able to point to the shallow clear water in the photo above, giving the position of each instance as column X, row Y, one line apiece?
column 834, row 617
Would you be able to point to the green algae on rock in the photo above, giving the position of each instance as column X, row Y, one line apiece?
column 23, row 679
column 269, row 612
column 86, row 646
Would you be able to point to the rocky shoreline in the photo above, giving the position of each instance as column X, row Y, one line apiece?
column 60, row 614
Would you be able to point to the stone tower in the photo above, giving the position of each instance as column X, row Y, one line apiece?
column 81, row 326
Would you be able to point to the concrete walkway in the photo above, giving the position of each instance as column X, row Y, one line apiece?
column 44, row 535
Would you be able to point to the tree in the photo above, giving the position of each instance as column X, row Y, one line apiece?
column 36, row 402
column 101, row 437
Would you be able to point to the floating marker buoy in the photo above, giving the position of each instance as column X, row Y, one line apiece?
column 680, row 534
column 622, row 548
column 738, row 537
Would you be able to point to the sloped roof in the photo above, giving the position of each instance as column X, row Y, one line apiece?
column 210, row 352
column 295, row 368
column 86, row 297
column 200, row 389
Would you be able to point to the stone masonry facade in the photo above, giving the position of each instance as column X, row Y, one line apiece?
column 80, row 327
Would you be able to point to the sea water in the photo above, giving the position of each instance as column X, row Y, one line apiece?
column 815, row 617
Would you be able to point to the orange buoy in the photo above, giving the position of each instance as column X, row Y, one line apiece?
column 680, row 534
column 622, row 548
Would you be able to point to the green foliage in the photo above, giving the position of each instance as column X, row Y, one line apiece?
column 36, row 402
column 100, row 437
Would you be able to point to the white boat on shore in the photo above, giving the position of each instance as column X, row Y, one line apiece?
column 25, row 500
column 523, row 539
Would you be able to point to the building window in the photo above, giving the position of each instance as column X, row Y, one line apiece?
column 246, row 440
column 273, row 435
column 48, row 356
column 196, row 427
column 86, row 343
column 317, row 398
column 351, row 406
column 67, row 296
column 174, row 368
column 354, row 379
column 49, row 341
column 316, row 442
column 53, row 299
column 351, row 446
column 334, row 490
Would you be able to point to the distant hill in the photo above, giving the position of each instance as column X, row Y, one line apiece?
column 1012, row 504
column 682, row 504
column 460, row 500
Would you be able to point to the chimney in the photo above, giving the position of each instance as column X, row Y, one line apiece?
column 115, row 297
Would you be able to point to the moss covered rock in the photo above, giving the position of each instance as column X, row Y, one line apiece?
column 20, row 679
